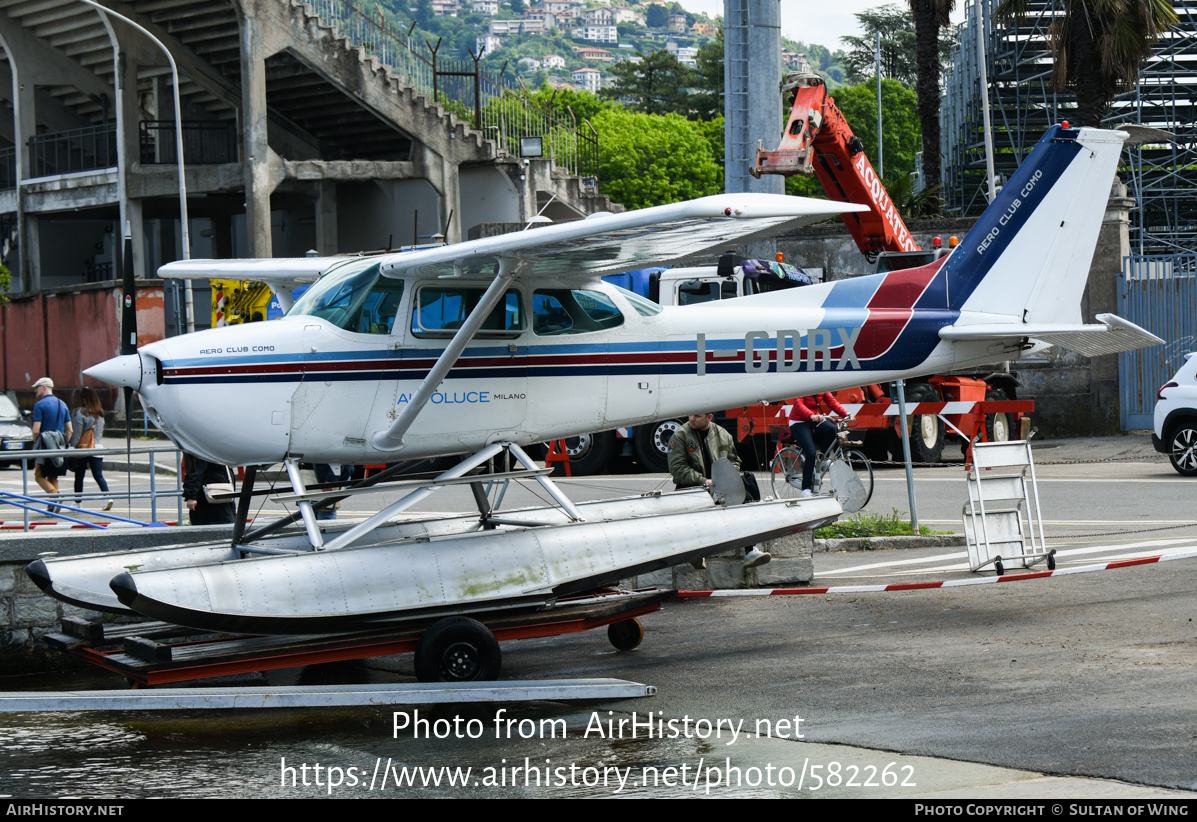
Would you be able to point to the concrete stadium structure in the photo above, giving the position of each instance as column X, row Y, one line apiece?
column 296, row 137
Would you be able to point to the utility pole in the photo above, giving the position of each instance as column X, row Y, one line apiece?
column 751, row 100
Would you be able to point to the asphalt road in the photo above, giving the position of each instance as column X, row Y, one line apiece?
column 1079, row 675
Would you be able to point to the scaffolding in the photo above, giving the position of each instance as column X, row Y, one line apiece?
column 1023, row 104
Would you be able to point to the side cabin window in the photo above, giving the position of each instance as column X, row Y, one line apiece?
column 354, row 296
column 693, row 292
column 441, row 310
column 563, row 311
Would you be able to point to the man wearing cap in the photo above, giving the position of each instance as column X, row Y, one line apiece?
column 49, row 414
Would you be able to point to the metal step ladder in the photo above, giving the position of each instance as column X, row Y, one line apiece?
column 1002, row 520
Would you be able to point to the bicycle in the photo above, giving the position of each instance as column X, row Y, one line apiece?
column 786, row 468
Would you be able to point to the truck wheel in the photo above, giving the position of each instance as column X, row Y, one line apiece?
column 926, row 430
column 458, row 649
column 997, row 426
column 651, row 442
column 590, row 453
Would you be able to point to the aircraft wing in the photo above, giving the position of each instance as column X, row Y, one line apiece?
column 283, row 272
column 1110, row 335
column 609, row 243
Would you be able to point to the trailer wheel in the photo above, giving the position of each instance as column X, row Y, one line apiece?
column 651, row 443
column 997, row 566
column 458, row 649
column 1051, row 560
column 927, row 431
column 625, row 635
column 997, row 426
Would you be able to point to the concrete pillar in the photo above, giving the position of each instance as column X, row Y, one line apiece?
column 25, row 126
column 128, row 133
column 256, row 150
column 450, row 201
column 326, row 218
column 752, row 105
column 31, row 261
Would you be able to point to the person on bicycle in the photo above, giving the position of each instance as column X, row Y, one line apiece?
column 813, row 431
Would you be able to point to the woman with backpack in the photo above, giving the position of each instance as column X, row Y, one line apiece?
column 88, row 431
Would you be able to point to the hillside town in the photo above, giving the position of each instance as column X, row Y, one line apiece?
column 571, row 44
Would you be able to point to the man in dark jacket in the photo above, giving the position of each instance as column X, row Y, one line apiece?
column 200, row 474
column 693, row 449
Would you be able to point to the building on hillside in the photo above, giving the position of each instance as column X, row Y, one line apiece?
column 486, row 44
column 597, row 34
column 596, row 54
column 587, row 78
column 598, row 17
column 553, row 61
column 525, row 25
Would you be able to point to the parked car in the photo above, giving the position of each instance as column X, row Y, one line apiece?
column 1176, row 419
column 15, row 431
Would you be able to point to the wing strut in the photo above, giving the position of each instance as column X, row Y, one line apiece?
column 549, row 486
column 392, row 438
column 367, row 525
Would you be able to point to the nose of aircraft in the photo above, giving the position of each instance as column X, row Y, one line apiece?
column 124, row 371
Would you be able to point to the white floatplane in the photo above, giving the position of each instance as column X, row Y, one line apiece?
column 486, row 346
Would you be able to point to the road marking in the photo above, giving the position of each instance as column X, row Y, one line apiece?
column 1147, row 547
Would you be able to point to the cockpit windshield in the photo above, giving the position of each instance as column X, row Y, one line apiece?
column 354, row 296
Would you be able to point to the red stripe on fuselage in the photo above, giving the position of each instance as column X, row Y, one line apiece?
column 891, row 308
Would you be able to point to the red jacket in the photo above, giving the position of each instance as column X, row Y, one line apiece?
column 804, row 407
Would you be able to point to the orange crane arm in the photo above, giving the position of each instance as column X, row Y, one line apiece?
column 818, row 139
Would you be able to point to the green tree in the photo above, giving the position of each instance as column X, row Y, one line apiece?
column 900, row 123
column 894, row 25
column 651, row 160
column 656, row 17
column 655, row 85
column 707, row 101
column 517, row 6
column 424, row 15
column 1098, row 46
column 929, row 17
column 583, row 104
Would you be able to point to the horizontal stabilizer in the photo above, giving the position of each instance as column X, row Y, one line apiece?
column 1110, row 335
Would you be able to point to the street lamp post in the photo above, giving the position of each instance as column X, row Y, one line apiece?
column 174, row 73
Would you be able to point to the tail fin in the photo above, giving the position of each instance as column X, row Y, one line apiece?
column 1029, row 255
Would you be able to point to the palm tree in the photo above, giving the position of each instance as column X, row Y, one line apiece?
column 1098, row 46
column 929, row 17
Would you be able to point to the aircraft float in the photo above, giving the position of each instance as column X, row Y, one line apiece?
column 487, row 346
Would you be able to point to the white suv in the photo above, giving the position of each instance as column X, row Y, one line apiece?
column 1176, row 419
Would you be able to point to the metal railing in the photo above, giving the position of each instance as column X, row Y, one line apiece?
column 205, row 142
column 97, row 272
column 80, row 149
column 495, row 103
column 68, row 503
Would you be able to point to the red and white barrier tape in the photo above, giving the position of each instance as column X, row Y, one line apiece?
column 951, row 583
column 954, row 407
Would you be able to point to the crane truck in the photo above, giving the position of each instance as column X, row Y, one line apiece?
column 818, row 140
